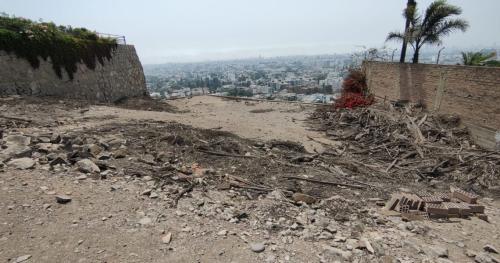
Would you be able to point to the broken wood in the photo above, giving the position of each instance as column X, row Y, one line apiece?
column 323, row 182
column 225, row 154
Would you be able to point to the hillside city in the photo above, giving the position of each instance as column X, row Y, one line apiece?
column 316, row 79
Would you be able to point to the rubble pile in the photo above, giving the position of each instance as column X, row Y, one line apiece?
column 407, row 143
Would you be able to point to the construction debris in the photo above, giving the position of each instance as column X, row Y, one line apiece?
column 423, row 205
column 407, row 143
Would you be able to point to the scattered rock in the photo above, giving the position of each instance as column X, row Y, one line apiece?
column 81, row 177
column 470, row 253
column 22, row 163
column 485, row 258
column 146, row 192
column 58, row 160
column 93, row 149
column 154, row 195
column 22, row 258
column 490, row 248
column 436, row 251
column 87, row 166
column 222, row 233
column 299, row 197
column 63, row 199
column 336, row 252
column 47, row 147
column 257, row 247
column 367, row 245
column 120, row 153
column 166, row 238
column 17, row 146
column 55, row 138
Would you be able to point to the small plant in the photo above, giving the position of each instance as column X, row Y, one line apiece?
column 479, row 59
column 354, row 91
column 65, row 46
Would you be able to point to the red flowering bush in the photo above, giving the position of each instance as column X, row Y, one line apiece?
column 350, row 100
column 354, row 91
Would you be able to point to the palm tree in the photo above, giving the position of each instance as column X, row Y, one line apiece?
column 476, row 58
column 410, row 7
column 429, row 29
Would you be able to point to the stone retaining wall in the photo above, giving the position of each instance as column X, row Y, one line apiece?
column 120, row 77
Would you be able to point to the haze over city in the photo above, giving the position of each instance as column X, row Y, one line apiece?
column 200, row 30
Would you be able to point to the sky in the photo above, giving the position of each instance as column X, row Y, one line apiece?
column 200, row 30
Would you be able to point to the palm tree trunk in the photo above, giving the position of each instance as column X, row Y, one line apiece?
column 411, row 3
column 416, row 55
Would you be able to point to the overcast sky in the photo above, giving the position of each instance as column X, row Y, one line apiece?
column 195, row 30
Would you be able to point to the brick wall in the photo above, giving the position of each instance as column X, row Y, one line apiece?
column 121, row 76
column 473, row 93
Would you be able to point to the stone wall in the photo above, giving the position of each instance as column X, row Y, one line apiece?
column 473, row 93
column 120, row 77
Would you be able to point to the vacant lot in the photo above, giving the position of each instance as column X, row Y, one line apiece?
column 211, row 180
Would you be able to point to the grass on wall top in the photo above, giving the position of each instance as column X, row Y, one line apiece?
column 66, row 46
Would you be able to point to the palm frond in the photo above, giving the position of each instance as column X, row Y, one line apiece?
column 395, row 36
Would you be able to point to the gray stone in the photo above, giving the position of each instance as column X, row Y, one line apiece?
column 81, row 177
column 87, row 166
column 490, row 248
column 22, row 258
column 257, row 247
column 367, row 245
column 485, row 258
column 146, row 192
column 470, row 253
column 63, row 199
column 22, row 163
column 222, row 233
column 120, row 153
column 436, row 251
column 299, row 197
column 93, row 149
column 15, row 151
column 55, row 138
column 336, row 253
column 58, row 160
column 166, row 238
column 47, row 147
column 17, row 140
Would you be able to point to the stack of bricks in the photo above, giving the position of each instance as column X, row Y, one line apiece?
column 424, row 205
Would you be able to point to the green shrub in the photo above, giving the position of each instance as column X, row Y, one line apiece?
column 65, row 46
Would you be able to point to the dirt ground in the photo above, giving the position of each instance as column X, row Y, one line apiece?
column 206, row 180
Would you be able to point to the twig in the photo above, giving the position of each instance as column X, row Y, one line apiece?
column 15, row 118
column 391, row 165
column 323, row 182
column 239, row 185
column 225, row 154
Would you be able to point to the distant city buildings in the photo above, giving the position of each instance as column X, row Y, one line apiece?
column 304, row 78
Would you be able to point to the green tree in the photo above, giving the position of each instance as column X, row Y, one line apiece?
column 430, row 27
column 476, row 58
